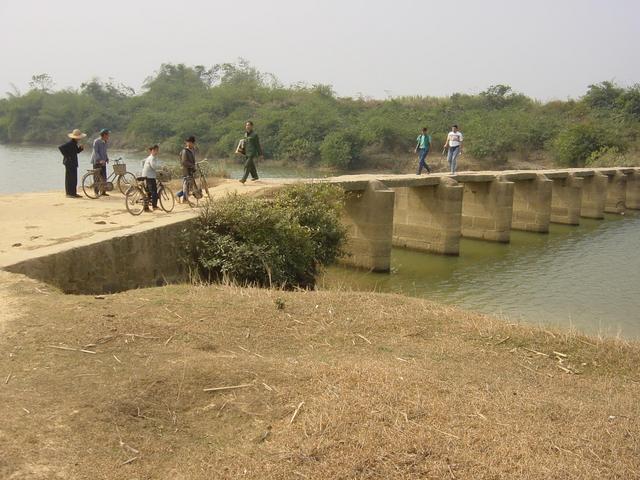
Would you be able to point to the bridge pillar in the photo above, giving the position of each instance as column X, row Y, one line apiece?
column 633, row 190
column 566, row 200
column 369, row 220
column 429, row 217
column 616, row 192
column 487, row 209
column 594, row 194
column 532, row 204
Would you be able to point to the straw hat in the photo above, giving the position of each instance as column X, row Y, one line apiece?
column 76, row 134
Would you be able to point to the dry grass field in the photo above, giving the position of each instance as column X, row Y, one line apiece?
column 327, row 385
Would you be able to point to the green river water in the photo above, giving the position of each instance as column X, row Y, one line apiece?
column 585, row 277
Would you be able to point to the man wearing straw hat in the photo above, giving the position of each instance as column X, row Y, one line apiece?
column 70, row 151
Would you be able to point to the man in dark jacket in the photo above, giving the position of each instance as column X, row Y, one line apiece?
column 253, row 150
column 188, row 163
column 70, row 151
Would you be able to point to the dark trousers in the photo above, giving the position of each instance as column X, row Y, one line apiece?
column 70, row 179
column 250, row 169
column 152, row 187
column 100, row 181
column 422, row 160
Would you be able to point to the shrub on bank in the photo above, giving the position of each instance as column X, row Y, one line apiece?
column 281, row 242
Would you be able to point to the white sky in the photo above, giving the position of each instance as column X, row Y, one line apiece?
column 548, row 49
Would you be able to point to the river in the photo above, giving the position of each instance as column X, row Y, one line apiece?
column 38, row 168
column 585, row 277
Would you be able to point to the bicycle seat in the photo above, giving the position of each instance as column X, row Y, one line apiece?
column 141, row 179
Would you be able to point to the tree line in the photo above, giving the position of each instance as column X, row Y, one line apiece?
column 311, row 125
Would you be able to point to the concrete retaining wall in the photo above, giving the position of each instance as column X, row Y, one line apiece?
column 121, row 263
column 594, row 195
column 429, row 218
column 487, row 209
column 616, row 193
column 532, row 204
column 369, row 219
column 566, row 200
column 633, row 190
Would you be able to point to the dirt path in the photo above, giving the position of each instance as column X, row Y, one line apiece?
column 41, row 223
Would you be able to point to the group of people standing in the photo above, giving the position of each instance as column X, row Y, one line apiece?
column 70, row 151
column 251, row 149
column 452, row 147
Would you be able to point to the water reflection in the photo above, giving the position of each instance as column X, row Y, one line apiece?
column 585, row 276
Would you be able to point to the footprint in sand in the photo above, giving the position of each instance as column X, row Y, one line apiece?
column 101, row 222
column 31, row 227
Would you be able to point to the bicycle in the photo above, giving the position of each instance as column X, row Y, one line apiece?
column 138, row 198
column 93, row 184
column 195, row 191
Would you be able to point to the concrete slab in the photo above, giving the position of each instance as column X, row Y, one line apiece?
column 38, row 224
column 551, row 174
column 469, row 177
column 515, row 176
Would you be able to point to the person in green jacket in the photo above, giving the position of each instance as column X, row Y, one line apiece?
column 252, row 150
column 423, row 145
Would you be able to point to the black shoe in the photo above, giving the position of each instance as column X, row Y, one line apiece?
column 255, row 179
column 105, row 194
column 72, row 196
column 242, row 181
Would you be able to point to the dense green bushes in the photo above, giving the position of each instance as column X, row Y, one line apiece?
column 280, row 242
column 311, row 125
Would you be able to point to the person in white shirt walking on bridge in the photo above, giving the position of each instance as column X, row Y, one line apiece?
column 454, row 144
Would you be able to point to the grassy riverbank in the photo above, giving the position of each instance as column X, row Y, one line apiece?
column 334, row 385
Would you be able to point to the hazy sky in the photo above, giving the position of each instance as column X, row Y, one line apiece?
column 546, row 48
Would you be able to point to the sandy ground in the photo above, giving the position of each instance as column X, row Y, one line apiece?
column 35, row 224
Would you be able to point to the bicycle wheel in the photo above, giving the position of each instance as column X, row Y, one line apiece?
column 126, row 180
column 135, row 200
column 192, row 200
column 92, row 185
column 166, row 198
column 204, row 186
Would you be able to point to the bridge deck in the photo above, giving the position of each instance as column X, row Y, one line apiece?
column 37, row 224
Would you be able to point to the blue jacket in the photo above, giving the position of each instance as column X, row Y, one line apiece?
column 99, row 155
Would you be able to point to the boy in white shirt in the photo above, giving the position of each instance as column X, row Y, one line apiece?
column 454, row 143
column 149, row 171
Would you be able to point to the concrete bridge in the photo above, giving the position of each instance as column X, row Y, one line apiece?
column 431, row 213
column 88, row 246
